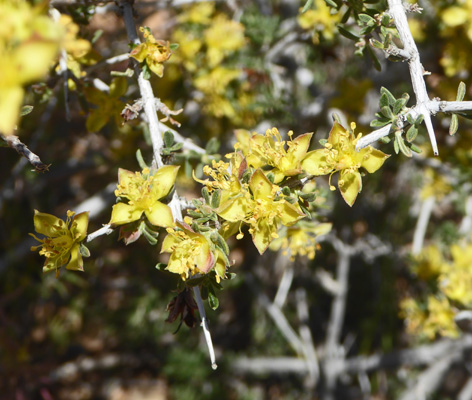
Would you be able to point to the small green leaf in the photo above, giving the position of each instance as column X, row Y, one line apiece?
column 379, row 123
column 375, row 43
column 25, row 110
column 387, row 111
column 347, row 33
column 419, row 120
column 411, row 133
column 346, row 15
column 146, row 72
column 399, row 104
column 286, row 191
column 139, row 157
column 84, row 251
column 220, row 242
column 401, row 144
column 385, row 139
column 374, row 58
column 383, row 100
column 336, row 118
column 331, row 3
column 365, row 18
column 415, row 148
column 174, row 46
column 307, row 6
column 454, row 124
column 385, row 19
column 212, row 146
column 176, row 147
column 212, row 300
column 395, row 146
column 215, row 199
column 390, row 96
column 206, row 195
column 323, row 141
column 96, row 35
column 168, row 138
column 460, row 92
column 152, row 239
column 161, row 266
column 309, row 197
column 410, row 119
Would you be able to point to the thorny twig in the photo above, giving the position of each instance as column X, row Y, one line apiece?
column 149, row 103
column 424, row 106
column 15, row 143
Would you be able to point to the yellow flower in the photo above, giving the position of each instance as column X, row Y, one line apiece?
column 339, row 155
column 261, row 211
column 191, row 253
column 429, row 264
column 154, row 52
column 197, row 13
column 440, row 318
column 143, row 191
column 222, row 37
column 270, row 150
column 434, row 185
column 320, row 20
column 74, row 46
column 437, row 318
column 300, row 239
column 189, row 46
column 108, row 104
column 456, row 279
column 413, row 315
column 62, row 243
column 459, row 15
column 29, row 43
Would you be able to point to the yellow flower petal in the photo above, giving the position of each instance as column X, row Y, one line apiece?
column 80, row 225
column 160, row 215
column 46, row 224
column 234, row 209
column 374, row 160
column 124, row 213
column 290, row 214
column 164, row 180
column 351, row 186
column 260, row 186
column 315, row 163
column 262, row 235
column 76, row 262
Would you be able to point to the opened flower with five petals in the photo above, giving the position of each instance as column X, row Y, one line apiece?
column 61, row 246
column 340, row 155
column 264, row 213
column 271, row 149
column 191, row 252
column 143, row 191
column 153, row 51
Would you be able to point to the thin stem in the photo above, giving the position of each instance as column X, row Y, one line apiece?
column 149, row 103
column 145, row 88
column 104, row 230
column 398, row 13
column 420, row 231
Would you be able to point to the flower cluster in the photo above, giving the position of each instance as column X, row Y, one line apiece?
column 453, row 280
column 29, row 42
